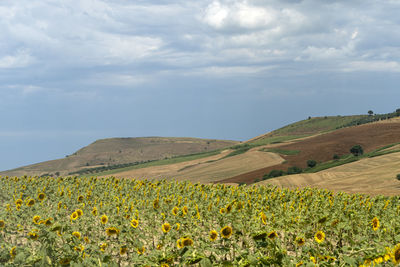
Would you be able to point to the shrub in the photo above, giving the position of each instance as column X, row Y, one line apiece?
column 357, row 150
column 275, row 173
column 294, row 170
column 311, row 163
column 398, row 176
column 336, row 157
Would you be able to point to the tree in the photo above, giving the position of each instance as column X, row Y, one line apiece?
column 398, row 176
column 398, row 112
column 357, row 150
column 370, row 112
column 336, row 157
column 311, row 163
column 294, row 170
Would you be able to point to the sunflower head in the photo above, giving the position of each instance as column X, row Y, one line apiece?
column 2, row 224
column 213, row 235
column 79, row 212
column 33, row 235
column 94, row 211
column 30, row 202
column 300, row 241
column 18, row 202
column 13, row 252
column 396, row 254
column 272, row 235
column 179, row 243
column 123, row 250
column 104, row 219
column 41, row 196
column 166, row 227
column 185, row 210
column 77, row 234
column 375, row 223
column 226, row 232
column 140, row 251
column 187, row 242
column 112, row 231
column 156, row 204
column 174, row 211
column 80, row 198
column 319, row 237
column 48, row 222
column 134, row 223
column 74, row 216
column 103, row 247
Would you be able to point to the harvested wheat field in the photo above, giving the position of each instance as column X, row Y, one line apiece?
column 322, row 147
column 208, row 169
column 370, row 175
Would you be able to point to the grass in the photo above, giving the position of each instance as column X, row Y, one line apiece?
column 276, row 139
column 281, row 151
column 173, row 160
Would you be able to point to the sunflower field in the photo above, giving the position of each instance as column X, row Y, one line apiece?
column 75, row 221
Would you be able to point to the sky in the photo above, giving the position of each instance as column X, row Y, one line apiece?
column 72, row 72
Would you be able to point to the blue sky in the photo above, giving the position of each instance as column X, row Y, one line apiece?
column 72, row 72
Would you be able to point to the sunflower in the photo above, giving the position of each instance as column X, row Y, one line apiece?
column 319, row 237
column 185, row 210
column 226, row 232
column 156, row 204
column 300, row 241
column 94, row 211
column 18, row 202
column 86, row 239
column 48, row 222
column 396, row 254
column 41, row 196
column 79, row 212
column 159, row 246
column 187, row 241
column 79, row 248
column 80, row 198
column 74, row 216
column 263, row 218
column 104, row 219
column 166, row 227
column 228, row 208
column 103, row 247
column 222, row 210
column 299, row 264
column 13, row 253
column 375, row 223
column 179, row 243
column 134, row 223
column 141, row 250
column 18, row 207
column 174, row 211
column 33, row 235
column 59, row 205
column 30, row 202
column 213, row 235
column 112, row 231
column 123, row 250
column 77, row 235
column 2, row 224
column 272, row 235
column 164, row 265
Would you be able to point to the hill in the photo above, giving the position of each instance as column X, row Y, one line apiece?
column 118, row 152
column 323, row 147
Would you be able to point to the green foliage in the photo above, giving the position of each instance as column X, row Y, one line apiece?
column 311, row 163
column 294, row 170
column 398, row 176
column 357, row 150
column 336, row 157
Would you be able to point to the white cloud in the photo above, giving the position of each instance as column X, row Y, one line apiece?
column 372, row 66
column 20, row 59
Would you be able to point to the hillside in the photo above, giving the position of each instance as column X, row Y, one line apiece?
column 119, row 151
column 321, row 148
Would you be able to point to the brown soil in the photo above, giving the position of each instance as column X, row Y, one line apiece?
column 322, row 147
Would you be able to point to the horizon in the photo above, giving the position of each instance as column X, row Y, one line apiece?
column 224, row 69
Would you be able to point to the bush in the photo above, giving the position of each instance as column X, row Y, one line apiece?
column 311, row 163
column 294, row 170
column 357, row 150
column 398, row 176
column 336, row 157
column 275, row 173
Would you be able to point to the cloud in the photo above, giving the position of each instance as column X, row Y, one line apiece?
column 20, row 59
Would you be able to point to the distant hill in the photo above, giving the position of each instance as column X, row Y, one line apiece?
column 121, row 152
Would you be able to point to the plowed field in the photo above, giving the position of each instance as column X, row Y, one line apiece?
column 322, row 147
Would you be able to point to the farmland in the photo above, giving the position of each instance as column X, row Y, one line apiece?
column 121, row 222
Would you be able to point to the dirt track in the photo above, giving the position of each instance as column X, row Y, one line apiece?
column 323, row 147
